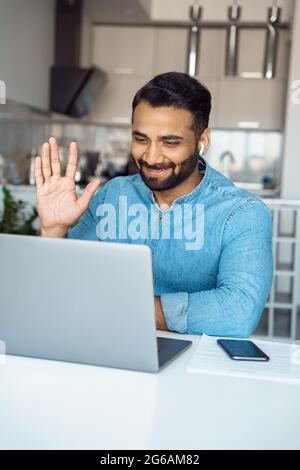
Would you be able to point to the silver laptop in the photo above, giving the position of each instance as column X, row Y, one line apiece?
column 81, row 301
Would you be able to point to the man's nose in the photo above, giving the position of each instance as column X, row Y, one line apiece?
column 153, row 155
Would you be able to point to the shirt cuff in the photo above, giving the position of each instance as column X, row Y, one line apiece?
column 175, row 311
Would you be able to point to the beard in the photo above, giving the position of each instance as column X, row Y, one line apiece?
column 187, row 167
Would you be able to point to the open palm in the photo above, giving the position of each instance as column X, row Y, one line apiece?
column 58, row 205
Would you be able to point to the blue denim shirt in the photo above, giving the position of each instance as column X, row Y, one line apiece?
column 215, row 277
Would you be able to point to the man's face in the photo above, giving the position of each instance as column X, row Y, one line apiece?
column 164, row 145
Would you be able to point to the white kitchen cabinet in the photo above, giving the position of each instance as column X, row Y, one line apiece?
column 213, row 87
column 252, row 51
column 114, row 103
column 133, row 55
column 211, row 54
column 250, row 103
column 247, row 100
column 171, row 46
column 126, row 54
column 170, row 53
column 124, row 51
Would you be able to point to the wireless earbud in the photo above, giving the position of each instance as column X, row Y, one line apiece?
column 201, row 150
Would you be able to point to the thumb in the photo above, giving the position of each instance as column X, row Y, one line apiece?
column 87, row 194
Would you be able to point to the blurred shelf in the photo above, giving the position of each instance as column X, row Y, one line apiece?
column 280, row 305
column 284, row 268
column 284, row 239
column 258, row 189
column 283, row 298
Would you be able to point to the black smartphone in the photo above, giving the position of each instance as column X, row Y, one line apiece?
column 242, row 350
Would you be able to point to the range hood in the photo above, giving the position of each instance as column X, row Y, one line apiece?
column 74, row 90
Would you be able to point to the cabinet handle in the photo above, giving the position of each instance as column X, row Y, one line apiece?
column 123, row 71
column 248, row 124
column 120, row 120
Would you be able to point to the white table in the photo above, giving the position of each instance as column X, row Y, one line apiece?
column 56, row 405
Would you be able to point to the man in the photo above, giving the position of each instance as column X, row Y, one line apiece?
column 213, row 280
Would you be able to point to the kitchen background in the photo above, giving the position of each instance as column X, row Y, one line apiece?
column 72, row 67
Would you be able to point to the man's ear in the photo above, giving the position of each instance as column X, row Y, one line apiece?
column 204, row 141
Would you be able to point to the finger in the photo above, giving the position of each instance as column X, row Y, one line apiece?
column 46, row 168
column 87, row 194
column 54, row 157
column 39, row 179
column 72, row 161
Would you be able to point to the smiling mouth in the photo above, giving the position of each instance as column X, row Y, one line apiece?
column 155, row 173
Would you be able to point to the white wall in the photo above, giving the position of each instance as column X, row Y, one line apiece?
column 291, row 164
column 26, row 49
column 291, row 160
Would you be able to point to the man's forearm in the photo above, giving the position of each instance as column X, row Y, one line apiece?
column 159, row 314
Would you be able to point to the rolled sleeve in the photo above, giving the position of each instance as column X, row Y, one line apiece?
column 175, row 311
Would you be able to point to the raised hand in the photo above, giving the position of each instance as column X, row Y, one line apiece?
column 58, row 205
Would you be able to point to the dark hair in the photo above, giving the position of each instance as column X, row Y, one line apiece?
column 178, row 90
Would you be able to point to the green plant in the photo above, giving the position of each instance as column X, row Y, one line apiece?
column 15, row 218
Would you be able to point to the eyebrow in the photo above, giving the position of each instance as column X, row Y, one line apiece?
column 162, row 137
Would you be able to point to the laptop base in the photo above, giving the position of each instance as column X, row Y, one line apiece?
column 169, row 348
